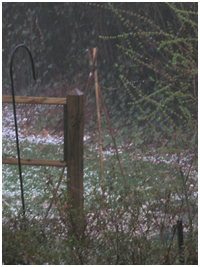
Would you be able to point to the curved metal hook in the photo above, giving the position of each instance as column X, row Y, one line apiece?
column 12, row 57
column 15, row 117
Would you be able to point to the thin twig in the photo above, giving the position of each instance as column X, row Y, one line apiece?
column 55, row 192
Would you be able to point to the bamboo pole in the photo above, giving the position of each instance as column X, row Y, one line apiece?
column 100, row 136
column 115, row 145
column 106, row 114
column 92, row 65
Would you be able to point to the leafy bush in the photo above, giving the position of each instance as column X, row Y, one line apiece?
column 159, row 155
column 142, row 234
column 162, row 76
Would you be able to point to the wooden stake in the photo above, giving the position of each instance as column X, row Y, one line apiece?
column 100, row 136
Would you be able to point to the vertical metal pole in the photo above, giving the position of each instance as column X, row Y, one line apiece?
column 180, row 240
column 15, row 115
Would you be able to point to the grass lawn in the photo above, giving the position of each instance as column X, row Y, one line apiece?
column 162, row 186
column 146, row 173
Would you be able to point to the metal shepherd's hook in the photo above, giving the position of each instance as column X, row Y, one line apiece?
column 15, row 117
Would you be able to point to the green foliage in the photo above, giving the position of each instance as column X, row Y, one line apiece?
column 142, row 234
column 164, row 88
column 148, row 75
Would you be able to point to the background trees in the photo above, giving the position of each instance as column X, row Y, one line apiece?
column 148, row 49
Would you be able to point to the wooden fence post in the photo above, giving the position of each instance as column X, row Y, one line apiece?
column 74, row 124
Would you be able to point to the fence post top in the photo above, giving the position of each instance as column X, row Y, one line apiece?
column 75, row 92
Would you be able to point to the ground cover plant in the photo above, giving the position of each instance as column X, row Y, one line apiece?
column 129, row 234
column 151, row 93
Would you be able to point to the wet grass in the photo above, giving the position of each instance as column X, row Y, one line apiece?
column 145, row 173
column 154, row 183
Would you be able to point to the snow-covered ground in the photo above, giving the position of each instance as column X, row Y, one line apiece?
column 8, row 133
